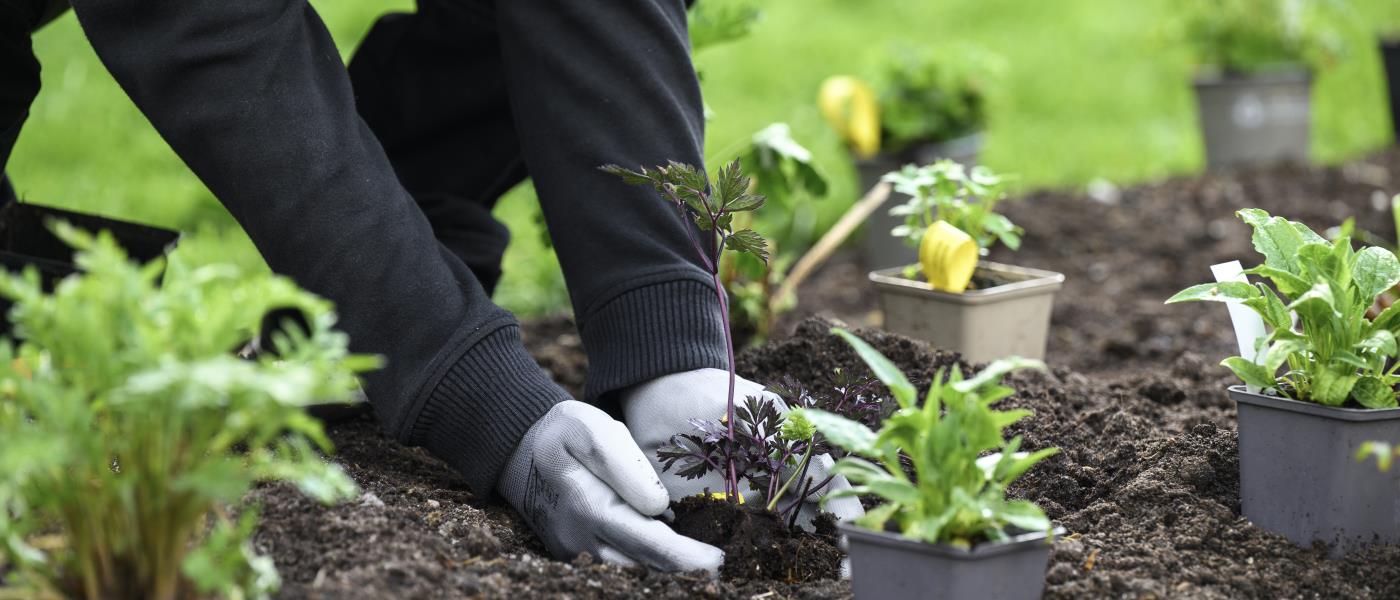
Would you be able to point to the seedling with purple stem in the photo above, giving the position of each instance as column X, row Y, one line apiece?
column 712, row 209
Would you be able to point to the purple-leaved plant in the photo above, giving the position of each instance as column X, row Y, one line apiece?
column 766, row 442
column 712, row 209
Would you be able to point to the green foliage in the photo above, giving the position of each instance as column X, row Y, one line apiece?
column 130, row 428
column 1248, row 36
column 715, row 24
column 710, row 207
column 957, row 495
column 929, row 96
column 783, row 172
column 1335, row 352
column 965, row 198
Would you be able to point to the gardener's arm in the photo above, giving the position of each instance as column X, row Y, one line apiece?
column 254, row 98
column 594, row 83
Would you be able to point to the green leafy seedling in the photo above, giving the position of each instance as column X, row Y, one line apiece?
column 1335, row 352
column 130, row 430
column 1251, row 36
column 948, row 191
column 931, row 96
column 955, row 442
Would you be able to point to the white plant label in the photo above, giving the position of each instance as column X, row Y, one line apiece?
column 1249, row 327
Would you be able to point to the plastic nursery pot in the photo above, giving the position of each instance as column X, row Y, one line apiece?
column 25, row 240
column 1255, row 118
column 1012, row 319
column 887, row 565
column 883, row 250
column 1390, row 57
column 1299, row 476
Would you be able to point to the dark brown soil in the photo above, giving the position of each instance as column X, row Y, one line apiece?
column 759, row 546
column 1146, row 483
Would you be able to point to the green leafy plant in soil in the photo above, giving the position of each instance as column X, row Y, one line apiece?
column 1251, row 36
column 1335, row 353
column 130, row 430
column 712, row 209
column 929, row 96
column 784, row 173
column 954, row 441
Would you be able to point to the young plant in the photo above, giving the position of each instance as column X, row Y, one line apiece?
column 772, row 450
column 783, row 173
column 964, row 198
column 717, row 24
column 1317, row 318
column 712, row 209
column 130, row 430
column 1250, row 36
column 957, row 495
column 929, row 97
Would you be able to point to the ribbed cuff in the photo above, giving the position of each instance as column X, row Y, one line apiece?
column 482, row 406
column 650, row 331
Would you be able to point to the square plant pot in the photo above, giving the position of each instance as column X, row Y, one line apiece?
column 1012, row 319
column 1256, row 118
column 883, row 250
column 1299, row 475
column 1390, row 58
column 887, row 565
column 25, row 240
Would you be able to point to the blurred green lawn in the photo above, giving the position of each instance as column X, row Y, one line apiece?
column 1091, row 90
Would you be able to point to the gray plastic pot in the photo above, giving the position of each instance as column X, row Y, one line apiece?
column 1390, row 57
column 886, row 565
column 1299, row 475
column 984, row 325
column 1256, row 118
column 883, row 250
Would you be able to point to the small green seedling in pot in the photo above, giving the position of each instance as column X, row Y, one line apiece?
column 964, row 198
column 931, row 96
column 954, row 440
column 1316, row 313
column 1250, row 36
column 129, row 432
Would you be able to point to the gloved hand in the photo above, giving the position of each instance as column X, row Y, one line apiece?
column 663, row 407
column 583, row 486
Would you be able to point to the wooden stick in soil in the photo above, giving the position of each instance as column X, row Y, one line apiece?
column 854, row 217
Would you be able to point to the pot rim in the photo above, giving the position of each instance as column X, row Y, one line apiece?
column 962, row 144
column 1241, row 395
column 1282, row 74
column 1017, row 543
column 1036, row 282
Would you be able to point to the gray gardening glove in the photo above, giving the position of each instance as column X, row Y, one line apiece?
column 583, row 486
column 663, row 407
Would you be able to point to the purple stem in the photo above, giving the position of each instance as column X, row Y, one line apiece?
column 731, row 483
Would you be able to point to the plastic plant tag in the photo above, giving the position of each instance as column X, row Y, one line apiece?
column 948, row 256
column 1249, row 327
column 850, row 107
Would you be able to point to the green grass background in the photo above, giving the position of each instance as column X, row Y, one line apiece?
column 1091, row 90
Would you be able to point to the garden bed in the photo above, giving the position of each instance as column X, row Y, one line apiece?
column 1146, row 483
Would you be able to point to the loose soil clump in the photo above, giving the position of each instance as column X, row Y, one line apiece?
column 757, row 545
